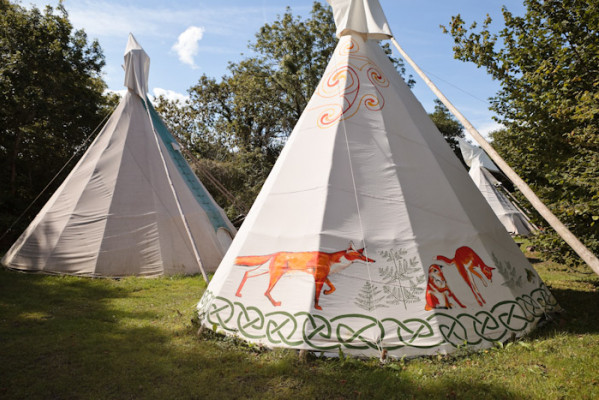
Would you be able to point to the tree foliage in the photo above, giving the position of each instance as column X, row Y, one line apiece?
column 547, row 62
column 237, row 125
column 450, row 128
column 51, row 98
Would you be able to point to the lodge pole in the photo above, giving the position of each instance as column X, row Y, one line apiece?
column 534, row 200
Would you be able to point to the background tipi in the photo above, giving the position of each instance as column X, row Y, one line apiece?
column 131, row 206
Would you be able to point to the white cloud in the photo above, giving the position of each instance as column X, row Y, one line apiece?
column 170, row 95
column 156, row 92
column 187, row 46
column 119, row 93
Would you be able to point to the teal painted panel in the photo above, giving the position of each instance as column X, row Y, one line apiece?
column 192, row 181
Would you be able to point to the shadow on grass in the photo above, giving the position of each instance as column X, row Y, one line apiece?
column 71, row 338
column 581, row 315
column 534, row 260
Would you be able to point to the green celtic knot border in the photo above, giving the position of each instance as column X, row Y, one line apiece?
column 347, row 331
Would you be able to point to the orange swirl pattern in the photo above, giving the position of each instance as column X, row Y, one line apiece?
column 344, row 78
column 341, row 80
column 371, row 101
column 350, row 47
column 343, row 87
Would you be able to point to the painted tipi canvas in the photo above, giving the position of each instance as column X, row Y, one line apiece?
column 369, row 235
column 131, row 206
column 509, row 214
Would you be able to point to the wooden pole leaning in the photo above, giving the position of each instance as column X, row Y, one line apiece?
column 551, row 219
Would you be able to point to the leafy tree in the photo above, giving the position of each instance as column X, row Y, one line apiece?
column 449, row 127
column 238, row 125
column 50, row 100
column 547, row 63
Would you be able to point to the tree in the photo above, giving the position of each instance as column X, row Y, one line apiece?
column 238, row 125
column 449, row 127
column 548, row 66
column 51, row 98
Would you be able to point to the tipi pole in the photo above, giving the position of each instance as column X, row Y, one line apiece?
column 196, row 253
column 555, row 223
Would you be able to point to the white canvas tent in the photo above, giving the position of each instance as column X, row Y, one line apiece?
column 512, row 218
column 131, row 206
column 368, row 235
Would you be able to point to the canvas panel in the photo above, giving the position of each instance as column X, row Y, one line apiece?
column 38, row 247
column 132, row 234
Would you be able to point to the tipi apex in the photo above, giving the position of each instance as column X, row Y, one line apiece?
column 368, row 236
column 131, row 205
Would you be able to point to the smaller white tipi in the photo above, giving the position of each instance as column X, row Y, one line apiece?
column 481, row 166
column 131, row 206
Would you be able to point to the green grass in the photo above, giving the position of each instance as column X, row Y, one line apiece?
column 77, row 338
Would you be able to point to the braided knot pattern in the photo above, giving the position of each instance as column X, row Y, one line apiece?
column 364, row 332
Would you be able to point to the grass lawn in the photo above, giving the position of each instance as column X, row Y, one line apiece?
column 78, row 338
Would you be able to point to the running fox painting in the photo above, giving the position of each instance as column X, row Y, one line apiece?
column 316, row 263
column 470, row 265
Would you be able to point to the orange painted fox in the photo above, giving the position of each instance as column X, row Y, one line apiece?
column 316, row 263
column 438, row 290
column 469, row 264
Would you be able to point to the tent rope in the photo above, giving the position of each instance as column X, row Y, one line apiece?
column 77, row 150
column 456, row 87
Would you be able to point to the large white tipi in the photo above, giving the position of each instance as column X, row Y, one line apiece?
column 368, row 236
column 481, row 166
column 131, row 206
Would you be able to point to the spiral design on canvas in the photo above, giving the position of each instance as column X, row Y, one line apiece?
column 342, row 83
column 353, row 85
column 329, row 115
column 377, row 78
column 372, row 102
column 349, row 47
column 343, row 80
column 375, row 101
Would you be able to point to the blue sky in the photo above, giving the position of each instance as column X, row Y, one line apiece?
column 186, row 39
